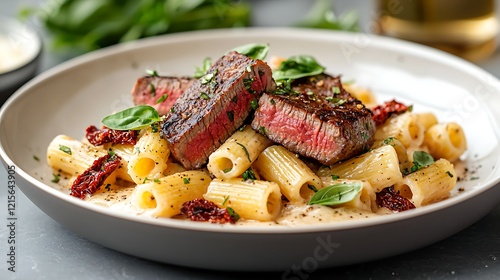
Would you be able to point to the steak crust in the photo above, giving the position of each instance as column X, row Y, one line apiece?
column 217, row 104
column 317, row 119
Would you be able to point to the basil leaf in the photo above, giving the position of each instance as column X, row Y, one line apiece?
column 421, row 159
column 255, row 51
column 297, row 67
column 133, row 118
column 336, row 194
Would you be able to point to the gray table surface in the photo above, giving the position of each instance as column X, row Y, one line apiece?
column 47, row 250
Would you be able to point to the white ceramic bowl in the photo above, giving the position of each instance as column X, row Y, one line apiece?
column 20, row 53
column 83, row 90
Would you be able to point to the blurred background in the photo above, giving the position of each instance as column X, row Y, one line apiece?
column 68, row 28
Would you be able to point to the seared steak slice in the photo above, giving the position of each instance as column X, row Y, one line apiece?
column 148, row 90
column 317, row 118
column 217, row 104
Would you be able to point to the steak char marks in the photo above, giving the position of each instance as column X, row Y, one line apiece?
column 317, row 118
column 214, row 107
column 148, row 90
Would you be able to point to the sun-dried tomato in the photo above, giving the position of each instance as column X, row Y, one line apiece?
column 203, row 210
column 382, row 112
column 392, row 200
column 91, row 179
column 106, row 135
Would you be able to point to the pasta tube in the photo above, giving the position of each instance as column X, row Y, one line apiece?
column 427, row 119
column 164, row 197
column 380, row 167
column 150, row 157
column 404, row 161
column 74, row 157
column 237, row 153
column 293, row 176
column 405, row 127
column 446, row 140
column 251, row 199
column 429, row 184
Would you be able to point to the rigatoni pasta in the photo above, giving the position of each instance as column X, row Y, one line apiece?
column 295, row 178
column 150, row 157
column 446, row 140
column 237, row 153
column 251, row 199
column 429, row 184
column 73, row 157
column 164, row 197
column 405, row 127
column 380, row 167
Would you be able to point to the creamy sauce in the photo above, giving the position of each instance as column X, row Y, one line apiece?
column 13, row 54
column 120, row 199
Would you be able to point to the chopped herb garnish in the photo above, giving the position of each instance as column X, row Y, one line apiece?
column 207, row 78
column 474, row 178
column 449, row 174
column 152, row 72
column 230, row 115
column 154, row 127
column 225, row 200
column 145, row 180
column 235, row 99
column 108, row 187
column 313, row 188
column 387, row 141
column 186, row 180
column 233, row 213
column 65, row 149
column 263, row 130
column 152, row 89
column 111, row 153
column 272, row 101
column 204, row 96
column 56, row 178
column 310, row 93
column 249, row 174
column 172, row 110
column 245, row 150
column 336, row 100
column 248, row 84
column 227, row 170
column 157, row 181
column 36, row 158
column 335, row 177
column 242, row 127
column 335, row 90
column 255, row 104
column 162, row 98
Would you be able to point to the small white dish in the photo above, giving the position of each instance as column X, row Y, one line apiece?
column 20, row 53
column 81, row 91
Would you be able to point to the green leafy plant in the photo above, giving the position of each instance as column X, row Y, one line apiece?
column 255, row 51
column 93, row 24
column 336, row 194
column 297, row 67
column 134, row 118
